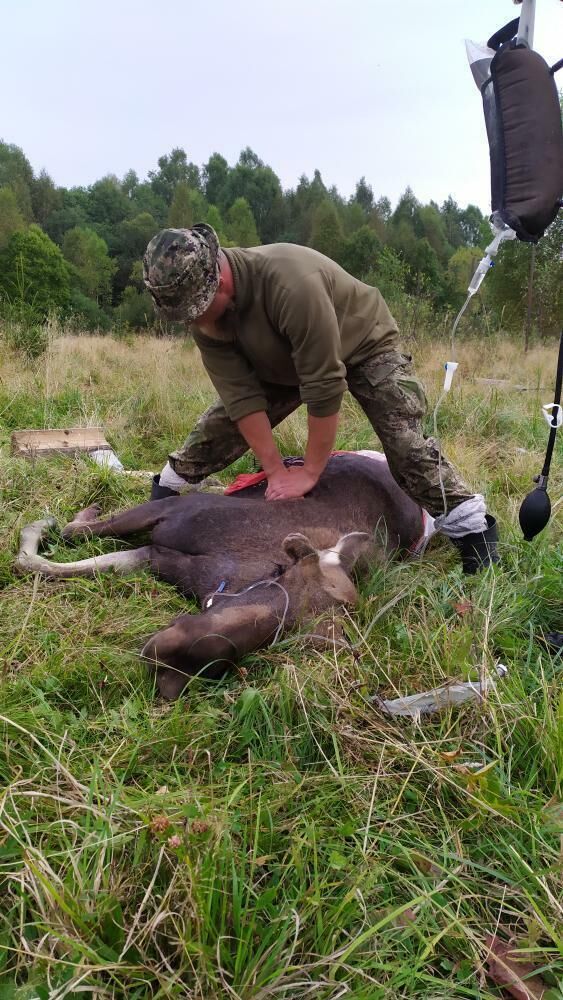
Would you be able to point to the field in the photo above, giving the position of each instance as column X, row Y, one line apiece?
column 274, row 836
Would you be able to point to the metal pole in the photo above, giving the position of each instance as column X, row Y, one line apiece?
column 526, row 23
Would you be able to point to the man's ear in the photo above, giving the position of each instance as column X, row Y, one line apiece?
column 350, row 547
column 298, row 546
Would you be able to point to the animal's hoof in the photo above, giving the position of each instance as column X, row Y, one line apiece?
column 79, row 524
column 91, row 513
column 30, row 540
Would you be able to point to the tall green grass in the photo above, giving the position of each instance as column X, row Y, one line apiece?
column 274, row 836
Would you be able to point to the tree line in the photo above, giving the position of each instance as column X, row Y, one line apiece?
column 79, row 250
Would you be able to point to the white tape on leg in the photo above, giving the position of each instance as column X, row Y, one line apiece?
column 465, row 519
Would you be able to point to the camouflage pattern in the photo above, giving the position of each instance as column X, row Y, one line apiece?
column 181, row 272
column 393, row 400
column 215, row 441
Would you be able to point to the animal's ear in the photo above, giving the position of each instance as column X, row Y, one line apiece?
column 298, row 546
column 351, row 546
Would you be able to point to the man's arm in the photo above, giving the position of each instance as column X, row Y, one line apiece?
column 289, row 484
column 299, row 480
column 232, row 375
column 305, row 314
column 257, row 432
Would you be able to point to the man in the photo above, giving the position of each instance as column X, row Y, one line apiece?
column 282, row 325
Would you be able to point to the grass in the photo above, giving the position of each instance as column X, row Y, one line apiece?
column 273, row 836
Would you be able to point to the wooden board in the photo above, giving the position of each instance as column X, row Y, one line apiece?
column 64, row 441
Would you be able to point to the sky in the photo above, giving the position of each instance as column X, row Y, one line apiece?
column 380, row 88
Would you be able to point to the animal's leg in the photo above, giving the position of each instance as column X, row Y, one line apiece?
column 28, row 561
column 325, row 635
column 141, row 518
column 207, row 644
column 87, row 515
column 177, row 568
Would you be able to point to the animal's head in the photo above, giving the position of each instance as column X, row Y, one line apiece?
column 209, row 643
column 320, row 578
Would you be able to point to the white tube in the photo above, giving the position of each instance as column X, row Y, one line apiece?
column 450, row 367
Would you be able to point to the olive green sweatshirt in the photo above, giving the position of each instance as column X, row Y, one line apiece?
column 299, row 320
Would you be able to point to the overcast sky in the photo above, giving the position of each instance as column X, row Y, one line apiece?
column 351, row 87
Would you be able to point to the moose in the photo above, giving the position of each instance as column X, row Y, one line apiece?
column 257, row 567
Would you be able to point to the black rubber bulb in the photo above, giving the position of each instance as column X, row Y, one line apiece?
column 535, row 512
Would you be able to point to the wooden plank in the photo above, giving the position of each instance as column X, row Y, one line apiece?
column 62, row 441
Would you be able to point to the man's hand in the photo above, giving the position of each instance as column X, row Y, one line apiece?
column 290, row 484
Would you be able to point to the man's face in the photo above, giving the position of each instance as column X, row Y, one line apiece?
column 220, row 304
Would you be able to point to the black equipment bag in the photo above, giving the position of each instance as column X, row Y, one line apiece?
column 523, row 120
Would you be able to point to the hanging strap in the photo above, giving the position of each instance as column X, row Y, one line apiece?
column 554, row 412
column 504, row 34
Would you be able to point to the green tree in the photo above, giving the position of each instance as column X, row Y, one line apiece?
column 132, row 236
column 174, row 169
column 11, row 219
column 215, row 176
column 72, row 211
column 424, row 269
column 358, row 254
column 506, row 284
column 87, row 314
column 16, row 172
column 301, row 205
column 451, row 214
column 91, row 266
column 383, row 208
column 259, row 185
column 107, row 205
column 326, row 231
column 45, row 198
column 461, row 267
column 406, row 210
column 188, row 206
column 548, row 281
column 33, row 271
column 129, row 184
column 364, row 196
column 136, row 309
column 144, row 200
column 352, row 217
column 391, row 275
column 241, row 226
column 473, row 223
column 215, row 220
column 430, row 224
column 130, row 240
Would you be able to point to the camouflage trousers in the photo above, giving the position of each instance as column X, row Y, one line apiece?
column 393, row 400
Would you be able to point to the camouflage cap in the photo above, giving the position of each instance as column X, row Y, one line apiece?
column 181, row 272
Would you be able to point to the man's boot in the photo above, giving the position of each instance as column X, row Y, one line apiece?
column 159, row 492
column 479, row 549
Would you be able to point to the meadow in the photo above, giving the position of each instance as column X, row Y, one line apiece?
column 273, row 835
